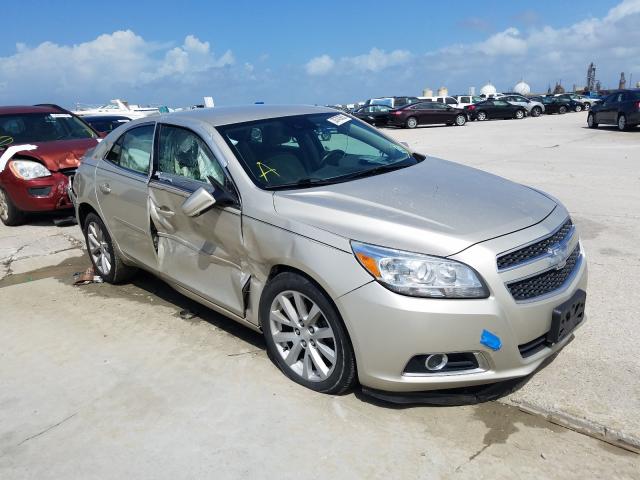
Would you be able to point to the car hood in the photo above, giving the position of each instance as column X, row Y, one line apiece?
column 60, row 154
column 434, row 207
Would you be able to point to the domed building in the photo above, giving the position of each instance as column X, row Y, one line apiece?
column 522, row 88
column 488, row 90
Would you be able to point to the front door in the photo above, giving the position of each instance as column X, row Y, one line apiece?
column 202, row 254
column 121, row 188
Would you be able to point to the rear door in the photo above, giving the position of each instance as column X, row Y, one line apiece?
column 202, row 254
column 609, row 111
column 121, row 189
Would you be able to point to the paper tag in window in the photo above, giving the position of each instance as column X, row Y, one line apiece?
column 59, row 115
column 338, row 119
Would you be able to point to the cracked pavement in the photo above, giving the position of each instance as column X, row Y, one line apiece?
column 106, row 381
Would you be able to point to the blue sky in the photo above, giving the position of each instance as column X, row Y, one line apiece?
column 297, row 51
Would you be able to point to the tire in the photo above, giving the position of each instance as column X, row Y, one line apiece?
column 309, row 342
column 562, row 110
column 520, row 114
column 460, row 121
column 10, row 215
column 104, row 257
column 578, row 108
column 622, row 123
column 591, row 120
column 536, row 111
column 481, row 116
column 412, row 122
column 587, row 106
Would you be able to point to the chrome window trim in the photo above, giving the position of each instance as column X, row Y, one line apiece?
column 137, row 174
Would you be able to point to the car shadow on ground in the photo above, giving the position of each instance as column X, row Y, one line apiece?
column 613, row 128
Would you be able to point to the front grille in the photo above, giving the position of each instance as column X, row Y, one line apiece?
column 533, row 347
column 545, row 282
column 535, row 250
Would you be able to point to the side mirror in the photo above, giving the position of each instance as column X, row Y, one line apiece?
column 198, row 202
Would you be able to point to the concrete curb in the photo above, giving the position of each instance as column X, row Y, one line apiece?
column 582, row 425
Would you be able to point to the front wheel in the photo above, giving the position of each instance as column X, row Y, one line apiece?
column 412, row 122
column 622, row 123
column 460, row 120
column 10, row 215
column 587, row 106
column 520, row 114
column 591, row 120
column 536, row 111
column 481, row 116
column 105, row 258
column 578, row 108
column 305, row 336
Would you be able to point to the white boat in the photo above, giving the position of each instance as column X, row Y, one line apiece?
column 118, row 107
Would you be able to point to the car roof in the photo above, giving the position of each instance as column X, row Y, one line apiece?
column 17, row 109
column 226, row 115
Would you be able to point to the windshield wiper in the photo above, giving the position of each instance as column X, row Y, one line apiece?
column 304, row 182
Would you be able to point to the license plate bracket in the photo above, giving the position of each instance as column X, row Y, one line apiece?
column 566, row 317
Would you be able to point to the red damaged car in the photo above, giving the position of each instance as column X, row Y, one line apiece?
column 40, row 148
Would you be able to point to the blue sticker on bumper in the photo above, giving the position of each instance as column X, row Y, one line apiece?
column 490, row 340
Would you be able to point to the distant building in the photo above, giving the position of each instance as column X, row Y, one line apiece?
column 522, row 88
column 472, row 91
column 443, row 91
column 623, row 81
column 591, row 77
column 488, row 90
column 427, row 92
column 558, row 89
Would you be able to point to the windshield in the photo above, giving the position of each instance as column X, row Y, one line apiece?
column 42, row 127
column 308, row 150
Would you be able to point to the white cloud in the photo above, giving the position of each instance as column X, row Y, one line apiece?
column 508, row 42
column 320, row 65
column 108, row 65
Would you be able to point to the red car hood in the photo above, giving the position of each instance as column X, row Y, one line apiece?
column 62, row 153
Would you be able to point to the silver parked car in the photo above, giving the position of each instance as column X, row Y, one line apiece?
column 356, row 258
column 533, row 107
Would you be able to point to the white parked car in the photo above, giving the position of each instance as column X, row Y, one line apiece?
column 447, row 100
column 465, row 100
column 533, row 107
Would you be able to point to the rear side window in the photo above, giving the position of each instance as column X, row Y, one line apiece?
column 133, row 149
column 451, row 101
column 183, row 153
column 465, row 100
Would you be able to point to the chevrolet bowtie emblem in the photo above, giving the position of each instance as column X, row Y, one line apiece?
column 558, row 255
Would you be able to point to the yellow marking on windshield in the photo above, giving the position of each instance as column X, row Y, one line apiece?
column 265, row 170
column 5, row 140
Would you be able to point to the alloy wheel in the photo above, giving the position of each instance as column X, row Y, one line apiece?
column 302, row 335
column 412, row 123
column 519, row 114
column 622, row 122
column 578, row 108
column 482, row 116
column 99, row 248
column 4, row 206
column 460, row 120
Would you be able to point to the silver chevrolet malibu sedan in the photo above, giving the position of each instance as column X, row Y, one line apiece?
column 358, row 259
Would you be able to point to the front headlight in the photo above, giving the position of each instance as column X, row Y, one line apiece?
column 28, row 170
column 419, row 275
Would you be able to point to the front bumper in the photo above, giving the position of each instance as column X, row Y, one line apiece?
column 39, row 194
column 388, row 329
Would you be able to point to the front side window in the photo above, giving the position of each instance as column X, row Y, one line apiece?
column 451, row 101
column 183, row 153
column 133, row 149
column 42, row 127
column 465, row 100
column 306, row 150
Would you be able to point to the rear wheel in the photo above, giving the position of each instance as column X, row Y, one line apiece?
column 536, row 111
column 562, row 109
column 305, row 336
column 481, row 116
column 587, row 106
column 520, row 114
column 104, row 256
column 412, row 122
column 578, row 108
column 461, row 120
column 9, row 213
column 591, row 120
column 622, row 123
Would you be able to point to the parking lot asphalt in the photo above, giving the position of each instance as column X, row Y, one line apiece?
column 104, row 381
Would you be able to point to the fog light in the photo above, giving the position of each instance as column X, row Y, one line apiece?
column 436, row 362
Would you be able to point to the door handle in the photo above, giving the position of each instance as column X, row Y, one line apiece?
column 165, row 212
column 160, row 216
column 105, row 188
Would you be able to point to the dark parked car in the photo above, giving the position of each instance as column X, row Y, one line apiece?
column 40, row 148
column 105, row 123
column 373, row 114
column 621, row 108
column 585, row 102
column 559, row 105
column 410, row 116
column 494, row 108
